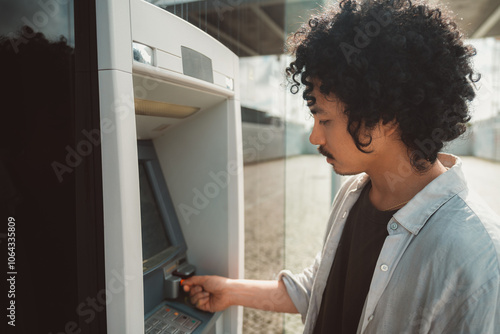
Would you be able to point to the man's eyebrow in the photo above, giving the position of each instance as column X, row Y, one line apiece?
column 315, row 110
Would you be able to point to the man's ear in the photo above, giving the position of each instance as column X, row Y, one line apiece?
column 389, row 129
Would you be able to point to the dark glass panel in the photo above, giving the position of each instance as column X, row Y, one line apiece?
column 50, row 178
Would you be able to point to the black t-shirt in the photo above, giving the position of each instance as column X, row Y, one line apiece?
column 352, row 270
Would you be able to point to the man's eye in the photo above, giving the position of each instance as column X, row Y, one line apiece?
column 324, row 122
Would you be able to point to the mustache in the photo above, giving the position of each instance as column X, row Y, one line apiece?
column 323, row 151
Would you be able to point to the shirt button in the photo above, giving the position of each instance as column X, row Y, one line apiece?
column 370, row 318
column 394, row 226
column 344, row 214
column 384, row 267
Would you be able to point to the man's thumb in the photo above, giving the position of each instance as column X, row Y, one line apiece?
column 194, row 280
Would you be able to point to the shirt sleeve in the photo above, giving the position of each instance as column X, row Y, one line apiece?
column 299, row 286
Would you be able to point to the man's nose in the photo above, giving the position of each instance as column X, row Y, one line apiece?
column 317, row 136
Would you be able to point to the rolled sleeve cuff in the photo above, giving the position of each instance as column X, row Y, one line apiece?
column 299, row 294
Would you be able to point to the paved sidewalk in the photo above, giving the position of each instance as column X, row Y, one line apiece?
column 287, row 203
column 264, row 236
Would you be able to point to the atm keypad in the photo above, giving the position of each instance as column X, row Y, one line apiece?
column 170, row 321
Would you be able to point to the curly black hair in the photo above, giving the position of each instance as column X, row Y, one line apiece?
column 388, row 61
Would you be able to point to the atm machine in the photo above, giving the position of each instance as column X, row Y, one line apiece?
column 172, row 168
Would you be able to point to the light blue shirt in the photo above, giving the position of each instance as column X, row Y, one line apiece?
column 438, row 270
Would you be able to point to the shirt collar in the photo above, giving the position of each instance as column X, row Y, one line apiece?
column 424, row 204
column 361, row 180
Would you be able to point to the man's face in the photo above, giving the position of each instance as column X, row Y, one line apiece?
column 331, row 135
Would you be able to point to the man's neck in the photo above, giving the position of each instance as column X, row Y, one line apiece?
column 395, row 182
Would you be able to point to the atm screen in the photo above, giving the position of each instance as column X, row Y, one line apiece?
column 162, row 239
column 154, row 236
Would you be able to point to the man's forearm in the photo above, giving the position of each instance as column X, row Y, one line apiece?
column 262, row 295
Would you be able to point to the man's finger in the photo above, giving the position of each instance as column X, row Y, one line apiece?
column 193, row 290
column 196, row 289
column 194, row 280
column 201, row 295
column 202, row 303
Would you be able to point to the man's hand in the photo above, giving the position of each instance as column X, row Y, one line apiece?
column 215, row 293
column 208, row 293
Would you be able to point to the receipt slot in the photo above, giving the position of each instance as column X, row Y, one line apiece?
column 172, row 167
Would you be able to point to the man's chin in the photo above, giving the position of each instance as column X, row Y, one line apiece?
column 341, row 172
column 345, row 174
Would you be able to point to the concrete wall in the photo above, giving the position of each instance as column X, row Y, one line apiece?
column 263, row 142
column 463, row 145
column 486, row 139
column 481, row 140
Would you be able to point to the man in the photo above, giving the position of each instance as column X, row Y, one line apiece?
column 409, row 248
